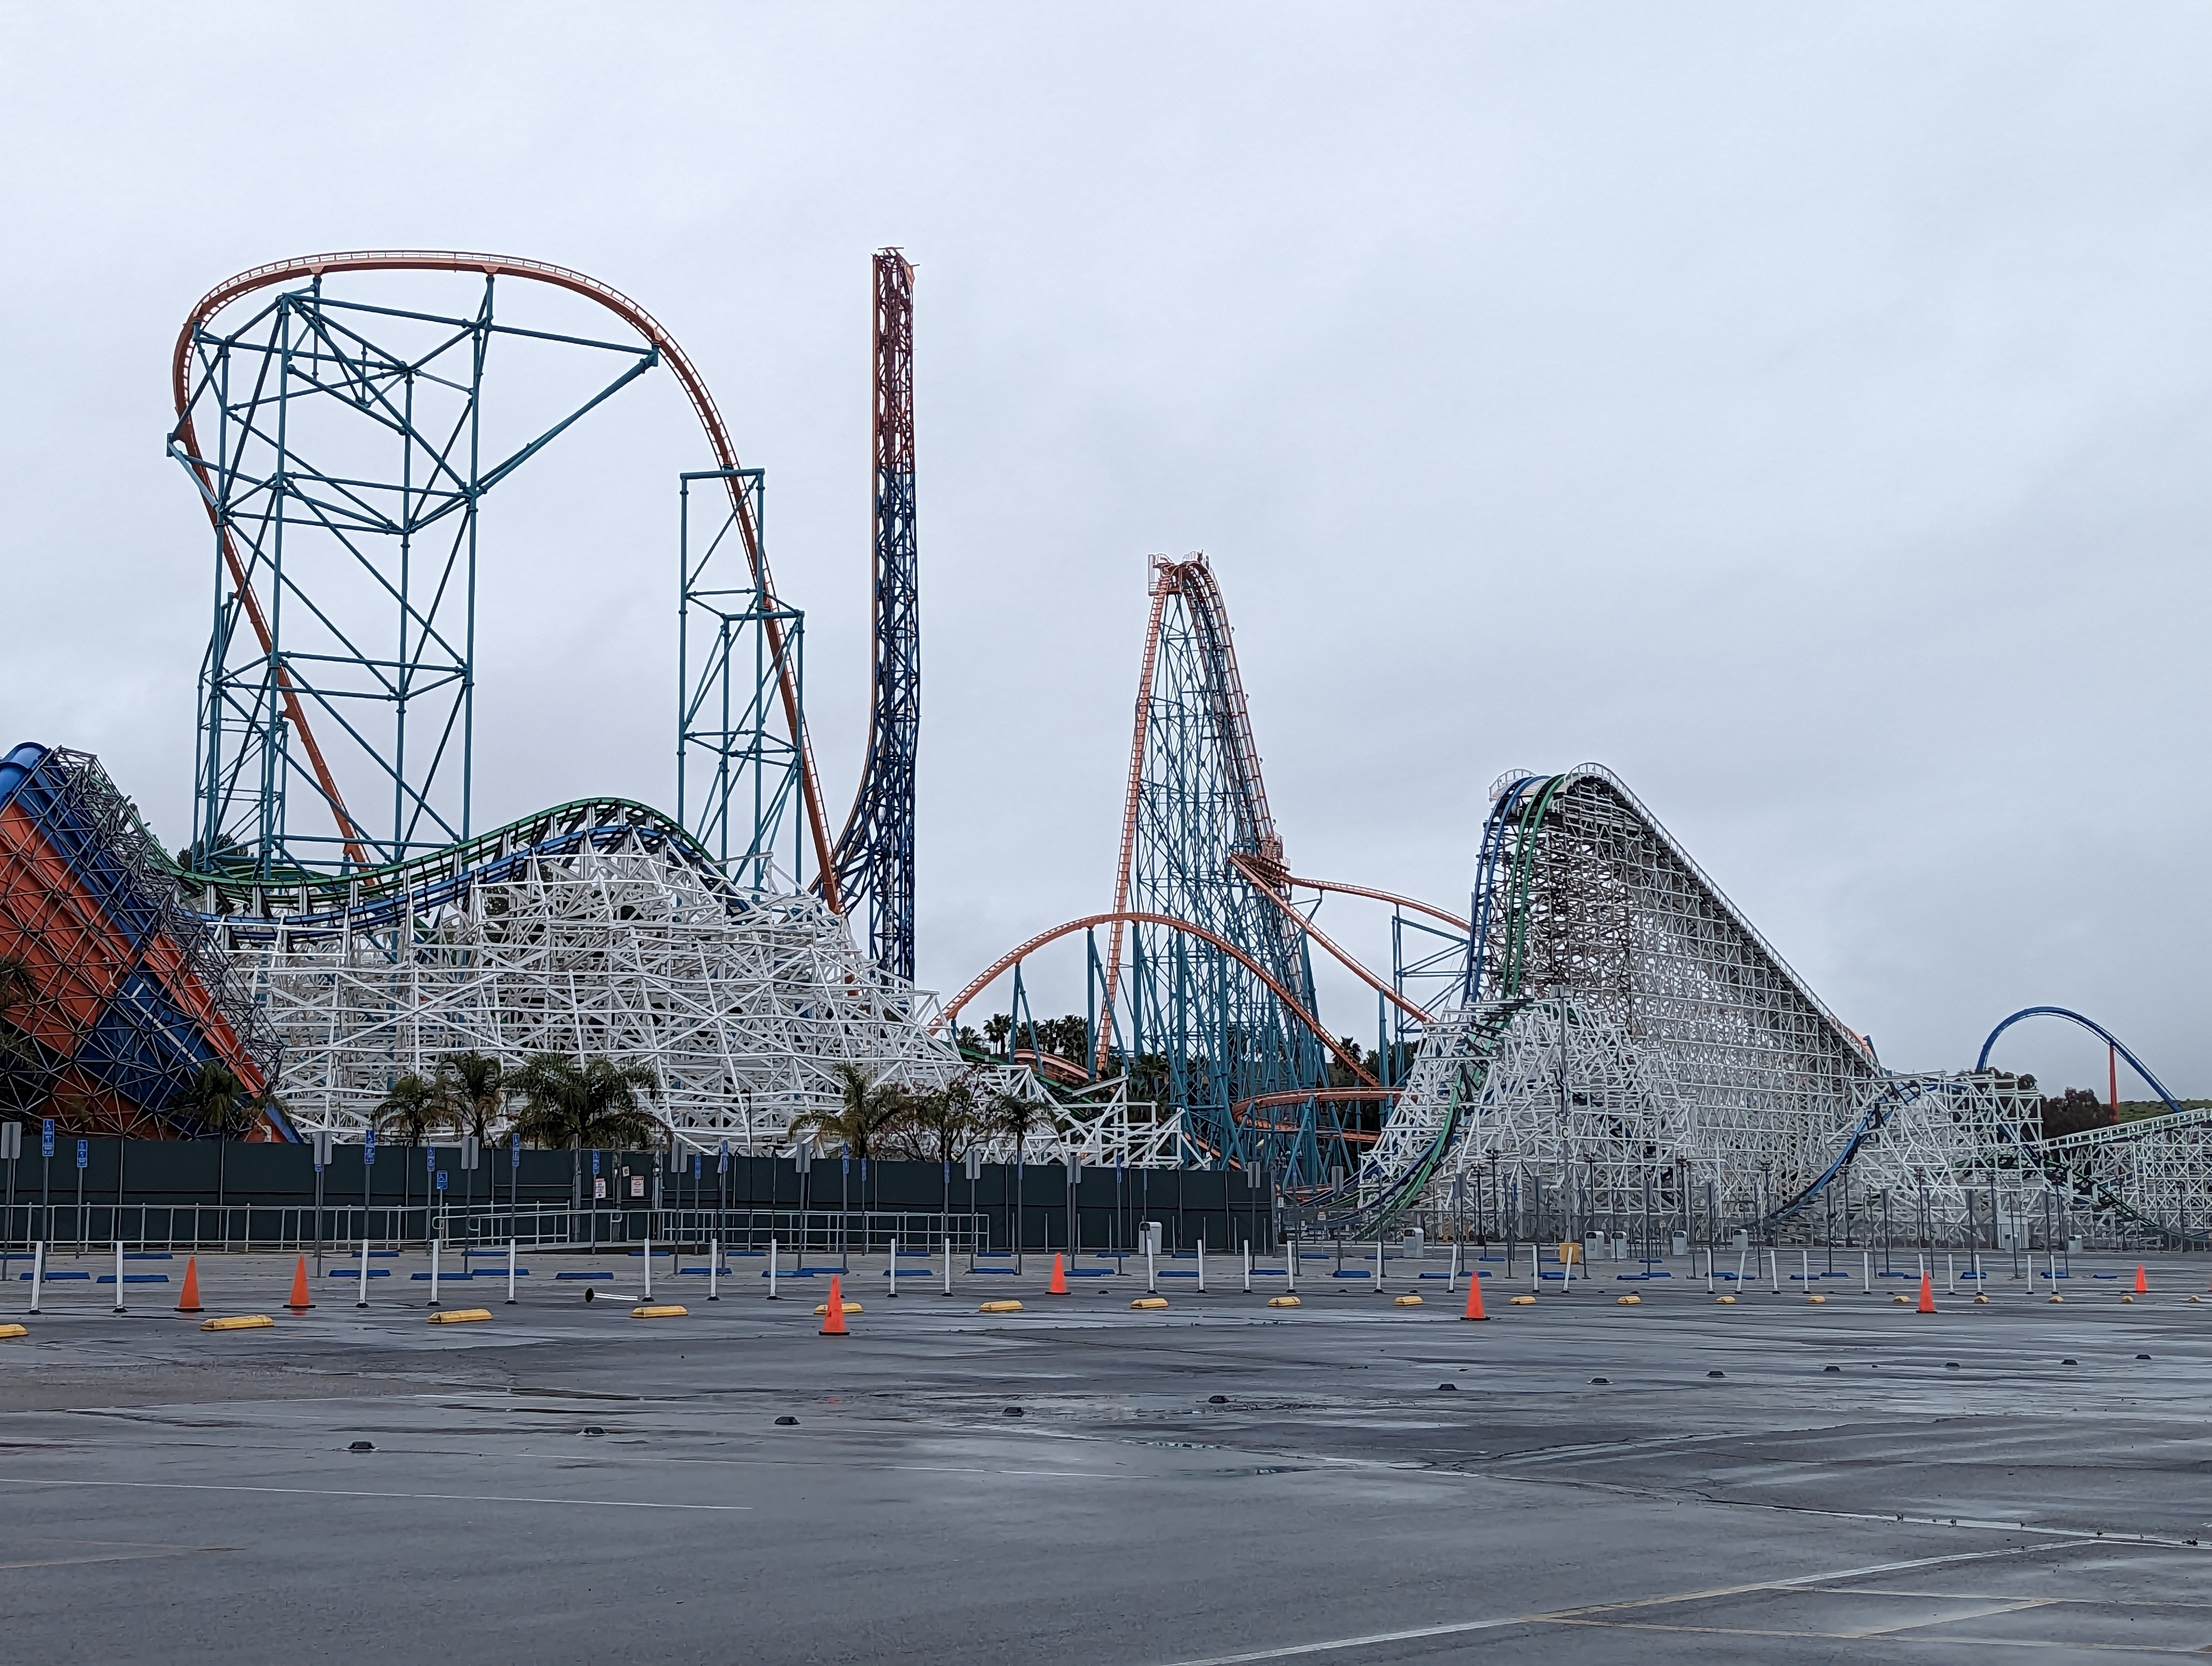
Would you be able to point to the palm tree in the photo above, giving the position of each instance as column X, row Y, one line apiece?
column 940, row 1127
column 867, row 1115
column 217, row 1100
column 413, row 1108
column 1019, row 1118
column 593, row 1105
column 474, row 1088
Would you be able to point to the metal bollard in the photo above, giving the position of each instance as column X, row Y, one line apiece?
column 435, row 1244
column 1248, row 1267
column 510, row 1271
column 38, row 1271
column 771, row 1269
column 119, row 1275
column 1201, row 1264
column 713, row 1267
column 894, row 1267
column 648, row 1266
column 1151, row 1274
column 363, row 1300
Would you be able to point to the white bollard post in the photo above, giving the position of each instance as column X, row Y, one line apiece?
column 1805, row 1269
column 1536, row 1273
column 1774, row 1269
column 771, row 1269
column 1740, row 1256
column 435, row 1247
column 713, row 1267
column 510, row 1271
column 119, row 1275
column 1379, row 1263
column 37, row 1271
column 1950, row 1273
column 363, row 1300
column 648, row 1266
column 894, row 1267
column 1866, row 1271
column 1708, row 1269
column 1290, row 1268
column 1201, row 1264
column 1451, row 1273
column 1151, row 1274
column 1974, row 1261
column 1248, row 1267
column 944, row 1244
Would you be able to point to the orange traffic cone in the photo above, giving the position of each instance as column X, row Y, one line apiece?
column 833, row 1316
column 2142, row 1283
column 300, row 1304
column 1927, row 1293
column 1473, row 1296
column 1058, row 1285
column 190, row 1301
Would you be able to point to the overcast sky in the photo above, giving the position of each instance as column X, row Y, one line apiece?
column 1802, row 412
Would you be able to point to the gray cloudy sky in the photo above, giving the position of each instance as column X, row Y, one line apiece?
column 1801, row 411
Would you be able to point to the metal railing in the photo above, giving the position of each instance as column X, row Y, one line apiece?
column 93, row 1227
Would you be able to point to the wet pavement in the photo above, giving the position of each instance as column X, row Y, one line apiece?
column 1219, row 1480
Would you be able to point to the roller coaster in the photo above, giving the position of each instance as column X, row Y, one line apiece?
column 1601, row 1044
column 1606, row 1045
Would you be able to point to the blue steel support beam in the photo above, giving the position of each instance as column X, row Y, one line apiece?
column 875, row 852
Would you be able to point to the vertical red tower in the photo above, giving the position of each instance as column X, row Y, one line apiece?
column 875, row 852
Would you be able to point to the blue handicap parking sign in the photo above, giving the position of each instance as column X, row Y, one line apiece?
column 46, row 1138
column 83, row 1153
column 441, row 1180
column 369, row 1148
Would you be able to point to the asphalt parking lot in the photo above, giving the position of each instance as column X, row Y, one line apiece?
column 1218, row 1480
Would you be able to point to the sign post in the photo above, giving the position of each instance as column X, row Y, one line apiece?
column 83, row 1162
column 11, row 1147
column 972, row 1165
column 367, row 1164
column 322, row 1146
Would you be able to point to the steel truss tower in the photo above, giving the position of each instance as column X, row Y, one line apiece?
column 739, row 777
column 875, row 852
column 342, row 447
column 344, row 461
column 1195, row 1024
